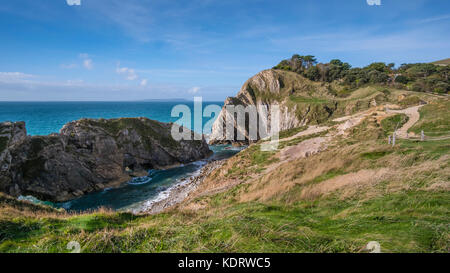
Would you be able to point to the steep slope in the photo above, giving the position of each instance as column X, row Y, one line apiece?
column 273, row 87
column 303, row 102
column 88, row 155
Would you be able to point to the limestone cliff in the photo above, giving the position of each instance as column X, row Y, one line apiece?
column 300, row 100
column 271, row 87
column 87, row 155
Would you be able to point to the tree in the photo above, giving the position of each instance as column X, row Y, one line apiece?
column 309, row 60
column 297, row 62
column 376, row 76
column 422, row 70
column 381, row 67
column 401, row 79
column 313, row 73
column 337, row 70
column 284, row 65
column 391, row 66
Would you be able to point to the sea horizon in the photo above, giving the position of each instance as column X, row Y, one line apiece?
column 44, row 118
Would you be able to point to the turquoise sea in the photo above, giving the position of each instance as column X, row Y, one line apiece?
column 43, row 118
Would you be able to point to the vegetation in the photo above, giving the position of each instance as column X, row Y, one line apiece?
column 442, row 62
column 308, row 100
column 291, row 132
column 419, row 77
column 148, row 129
column 403, row 214
column 434, row 119
column 392, row 123
column 248, row 161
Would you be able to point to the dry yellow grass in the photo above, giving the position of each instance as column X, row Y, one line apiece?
column 352, row 182
column 338, row 170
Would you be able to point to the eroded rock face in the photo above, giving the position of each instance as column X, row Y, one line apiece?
column 88, row 155
column 300, row 101
column 269, row 88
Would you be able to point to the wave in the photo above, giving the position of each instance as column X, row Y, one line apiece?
column 140, row 180
column 165, row 192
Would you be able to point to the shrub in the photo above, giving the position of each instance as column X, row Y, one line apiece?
column 401, row 79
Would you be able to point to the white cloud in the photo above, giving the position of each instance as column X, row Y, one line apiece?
column 21, row 86
column 129, row 73
column 435, row 19
column 74, row 82
column 87, row 61
column 366, row 41
column 14, row 76
column 73, row 2
column 374, row 2
column 143, row 82
column 194, row 90
column 87, row 64
column 69, row 66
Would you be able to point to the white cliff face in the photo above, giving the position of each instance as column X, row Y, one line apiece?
column 266, row 83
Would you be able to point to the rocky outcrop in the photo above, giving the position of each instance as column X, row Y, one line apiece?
column 269, row 88
column 301, row 102
column 88, row 155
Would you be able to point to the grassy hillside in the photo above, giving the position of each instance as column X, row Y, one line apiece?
column 435, row 119
column 442, row 62
column 317, row 102
column 358, row 189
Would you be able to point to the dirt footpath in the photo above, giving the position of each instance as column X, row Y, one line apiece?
column 413, row 115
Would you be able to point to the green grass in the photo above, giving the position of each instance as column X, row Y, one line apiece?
column 428, row 150
column 434, row 119
column 297, row 140
column 291, row 132
column 262, row 158
column 413, row 221
column 326, row 176
column 299, row 99
column 394, row 122
column 375, row 155
column 410, row 101
column 251, row 160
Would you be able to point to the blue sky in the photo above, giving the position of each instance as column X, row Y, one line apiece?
column 144, row 49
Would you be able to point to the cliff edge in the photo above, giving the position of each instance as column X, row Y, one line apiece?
column 88, row 155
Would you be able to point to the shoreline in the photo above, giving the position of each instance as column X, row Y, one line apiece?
column 171, row 196
column 179, row 192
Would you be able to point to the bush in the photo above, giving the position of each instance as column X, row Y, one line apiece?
column 401, row 79
column 421, row 77
column 376, row 76
column 313, row 73
column 441, row 87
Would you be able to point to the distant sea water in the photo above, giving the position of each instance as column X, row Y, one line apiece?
column 43, row 118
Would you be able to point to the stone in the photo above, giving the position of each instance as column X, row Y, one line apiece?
column 88, row 155
column 273, row 87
